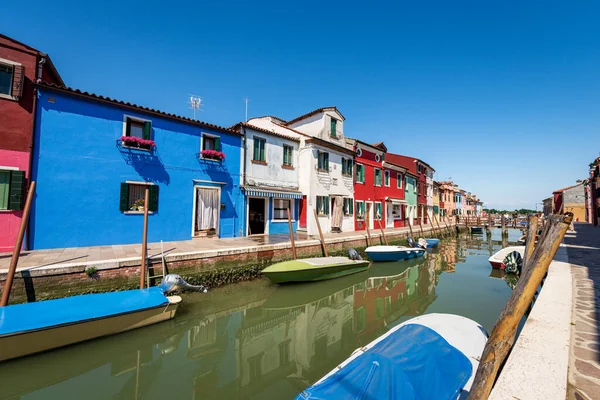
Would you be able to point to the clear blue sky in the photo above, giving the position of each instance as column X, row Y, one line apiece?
column 502, row 96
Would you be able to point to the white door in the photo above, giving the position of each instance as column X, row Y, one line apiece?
column 389, row 220
column 206, row 218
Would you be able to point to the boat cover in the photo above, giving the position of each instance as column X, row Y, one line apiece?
column 46, row 314
column 414, row 362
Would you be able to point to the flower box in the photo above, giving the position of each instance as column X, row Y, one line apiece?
column 212, row 154
column 136, row 142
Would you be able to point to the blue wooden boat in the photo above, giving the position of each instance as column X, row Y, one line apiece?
column 432, row 242
column 393, row 253
column 39, row 326
column 434, row 356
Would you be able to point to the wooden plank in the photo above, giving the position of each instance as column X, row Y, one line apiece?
column 382, row 232
column 320, row 233
column 291, row 234
column 502, row 337
column 532, row 223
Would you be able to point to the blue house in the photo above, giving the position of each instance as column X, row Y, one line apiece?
column 94, row 157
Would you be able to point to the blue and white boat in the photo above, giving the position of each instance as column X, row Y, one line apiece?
column 393, row 253
column 39, row 326
column 434, row 356
column 429, row 243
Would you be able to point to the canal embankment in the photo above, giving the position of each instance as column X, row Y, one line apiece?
column 47, row 274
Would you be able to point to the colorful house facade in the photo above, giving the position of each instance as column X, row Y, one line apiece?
column 410, row 195
column 269, row 180
column 20, row 67
column 95, row 156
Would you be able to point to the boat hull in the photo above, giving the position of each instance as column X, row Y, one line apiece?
column 431, row 243
column 316, row 273
column 31, row 342
column 392, row 253
column 497, row 260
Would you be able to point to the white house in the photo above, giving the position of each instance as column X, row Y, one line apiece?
column 324, row 188
column 269, row 179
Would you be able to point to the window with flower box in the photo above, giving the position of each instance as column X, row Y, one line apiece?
column 211, row 147
column 133, row 195
column 137, row 133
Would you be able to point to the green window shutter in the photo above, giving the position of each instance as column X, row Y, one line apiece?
column 256, row 150
column 318, row 204
column 153, row 198
column 362, row 173
column 17, row 190
column 326, row 199
column 344, row 171
column 262, row 150
column 333, row 127
column 217, row 143
column 326, row 161
column 124, row 197
column 147, row 130
column 351, row 206
column 320, row 160
column 4, row 189
column 349, row 169
column 127, row 126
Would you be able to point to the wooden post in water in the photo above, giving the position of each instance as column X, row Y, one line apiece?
column 410, row 229
column 489, row 225
column 502, row 337
column 504, row 228
column 368, row 222
column 144, row 239
column 445, row 224
column 382, row 233
column 430, row 217
column 421, row 228
column 532, row 222
column 320, row 233
column 438, row 224
column 12, row 269
column 291, row 234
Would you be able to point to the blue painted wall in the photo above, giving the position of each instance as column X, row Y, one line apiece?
column 281, row 227
column 79, row 166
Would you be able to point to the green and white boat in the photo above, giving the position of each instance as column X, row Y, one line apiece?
column 314, row 269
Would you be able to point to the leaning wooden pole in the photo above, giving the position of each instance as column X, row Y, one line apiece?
column 382, row 233
column 438, row 224
column 144, row 239
column 320, row 234
column 502, row 337
column 291, row 234
column 410, row 227
column 421, row 228
column 12, row 269
column 445, row 224
column 532, row 223
column 368, row 223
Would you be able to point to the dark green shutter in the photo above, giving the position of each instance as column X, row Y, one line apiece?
column 326, row 161
column 344, row 169
column 127, row 126
column 350, row 206
column 262, row 150
column 16, row 190
column 124, row 197
column 327, row 205
column 349, row 169
column 333, row 127
column 318, row 204
column 147, row 130
column 362, row 173
column 256, row 149
column 153, row 198
column 217, row 143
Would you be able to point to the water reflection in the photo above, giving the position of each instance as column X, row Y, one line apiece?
column 271, row 345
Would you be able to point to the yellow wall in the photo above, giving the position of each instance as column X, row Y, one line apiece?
column 578, row 211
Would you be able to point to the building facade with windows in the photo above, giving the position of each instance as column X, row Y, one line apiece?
column 410, row 195
column 270, row 179
column 94, row 158
column 20, row 67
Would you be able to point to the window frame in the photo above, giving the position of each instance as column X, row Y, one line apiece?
column 130, row 205
column 12, row 77
column 333, row 127
column 284, row 219
column 290, row 158
column 347, row 165
column 362, row 168
column 400, row 178
column 7, row 194
column 255, row 140
column 386, row 178
column 380, row 177
column 375, row 210
column 325, row 166
column 363, row 208
column 13, row 65
column 348, row 206
column 324, row 201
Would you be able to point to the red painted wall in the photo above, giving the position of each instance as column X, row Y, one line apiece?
column 392, row 191
column 557, row 202
column 368, row 191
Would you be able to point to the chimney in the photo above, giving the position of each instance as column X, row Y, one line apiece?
column 578, row 181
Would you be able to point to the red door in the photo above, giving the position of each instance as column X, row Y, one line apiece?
column 302, row 221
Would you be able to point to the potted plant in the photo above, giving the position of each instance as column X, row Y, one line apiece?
column 138, row 205
column 212, row 154
column 133, row 141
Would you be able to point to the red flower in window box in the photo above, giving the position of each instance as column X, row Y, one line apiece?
column 133, row 141
column 213, row 154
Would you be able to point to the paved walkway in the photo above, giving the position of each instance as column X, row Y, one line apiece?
column 78, row 256
column 583, row 249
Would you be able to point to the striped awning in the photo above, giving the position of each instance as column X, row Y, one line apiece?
column 396, row 201
column 278, row 194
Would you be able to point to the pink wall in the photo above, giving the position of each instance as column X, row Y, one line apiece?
column 10, row 220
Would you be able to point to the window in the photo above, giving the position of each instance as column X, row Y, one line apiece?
column 347, row 166
column 418, row 190
column 400, row 179
column 11, row 79
column 379, row 308
column 360, row 210
column 284, row 353
column 259, row 150
column 378, row 210
column 323, row 161
column 333, row 130
column 6, row 78
column 210, row 142
column 387, row 178
column 348, row 206
column 377, row 177
column 255, row 366
column 323, row 205
column 280, row 207
column 12, row 190
column 360, row 173
column 288, row 151
column 361, row 319
column 138, row 128
column 397, row 211
column 133, row 196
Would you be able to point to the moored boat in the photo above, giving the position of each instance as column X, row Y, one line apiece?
column 431, row 242
column 497, row 260
column 393, row 253
column 434, row 356
column 39, row 326
column 314, row 269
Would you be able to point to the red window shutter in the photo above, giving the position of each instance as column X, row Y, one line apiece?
column 17, row 83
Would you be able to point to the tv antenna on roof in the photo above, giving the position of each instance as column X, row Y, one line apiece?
column 195, row 103
column 247, row 100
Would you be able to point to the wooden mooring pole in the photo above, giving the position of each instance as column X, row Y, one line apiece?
column 504, row 228
column 421, row 228
column 144, row 238
column 291, row 234
column 383, row 233
column 320, row 233
column 532, row 222
column 502, row 337
column 410, row 228
column 12, row 269
column 438, row 224
column 368, row 223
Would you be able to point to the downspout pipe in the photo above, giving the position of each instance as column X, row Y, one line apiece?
column 245, row 218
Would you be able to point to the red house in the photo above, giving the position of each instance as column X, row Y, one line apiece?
column 369, row 183
column 419, row 169
column 393, row 191
column 20, row 67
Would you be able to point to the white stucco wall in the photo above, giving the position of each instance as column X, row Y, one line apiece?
column 272, row 174
column 318, row 125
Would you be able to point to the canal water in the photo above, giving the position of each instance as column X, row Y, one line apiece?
column 257, row 340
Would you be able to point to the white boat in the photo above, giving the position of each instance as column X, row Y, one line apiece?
column 497, row 260
column 393, row 253
column 434, row 356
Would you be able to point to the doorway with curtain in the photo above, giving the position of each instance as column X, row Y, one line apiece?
column 207, row 211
